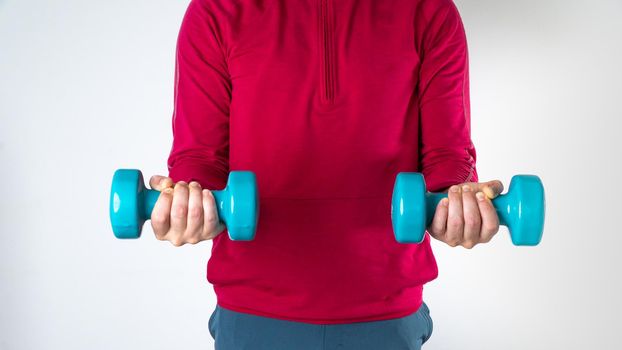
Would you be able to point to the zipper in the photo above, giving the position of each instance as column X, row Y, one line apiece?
column 327, row 75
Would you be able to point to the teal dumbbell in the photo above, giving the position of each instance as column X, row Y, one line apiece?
column 521, row 209
column 131, row 204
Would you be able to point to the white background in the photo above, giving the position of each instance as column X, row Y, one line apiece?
column 86, row 87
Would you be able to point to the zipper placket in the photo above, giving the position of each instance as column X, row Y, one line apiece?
column 326, row 52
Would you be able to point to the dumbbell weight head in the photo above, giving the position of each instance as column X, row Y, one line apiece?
column 521, row 209
column 128, row 210
column 238, row 205
column 408, row 208
column 131, row 204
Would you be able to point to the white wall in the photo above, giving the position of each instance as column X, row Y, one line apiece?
column 86, row 87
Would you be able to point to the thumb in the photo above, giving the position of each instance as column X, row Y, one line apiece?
column 159, row 182
column 491, row 188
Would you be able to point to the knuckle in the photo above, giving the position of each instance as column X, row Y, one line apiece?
column 469, row 244
column 179, row 211
column 490, row 229
column 195, row 212
column 453, row 241
column 157, row 220
column 211, row 221
column 177, row 242
column 455, row 223
column 159, row 217
column 472, row 220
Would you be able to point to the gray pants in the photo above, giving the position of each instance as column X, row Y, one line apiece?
column 240, row 331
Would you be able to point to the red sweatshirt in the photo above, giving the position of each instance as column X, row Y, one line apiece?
column 326, row 101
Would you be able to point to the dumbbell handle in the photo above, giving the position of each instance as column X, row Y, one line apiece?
column 151, row 197
column 501, row 203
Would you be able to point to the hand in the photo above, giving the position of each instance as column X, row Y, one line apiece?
column 184, row 213
column 467, row 217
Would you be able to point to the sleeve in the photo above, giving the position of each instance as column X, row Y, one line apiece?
column 200, row 122
column 447, row 154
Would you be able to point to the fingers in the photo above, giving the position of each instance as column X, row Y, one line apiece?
column 212, row 225
column 159, row 182
column 469, row 217
column 490, row 220
column 439, row 222
column 472, row 219
column 179, row 213
column 455, row 220
column 160, row 216
column 184, row 213
column 194, row 225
